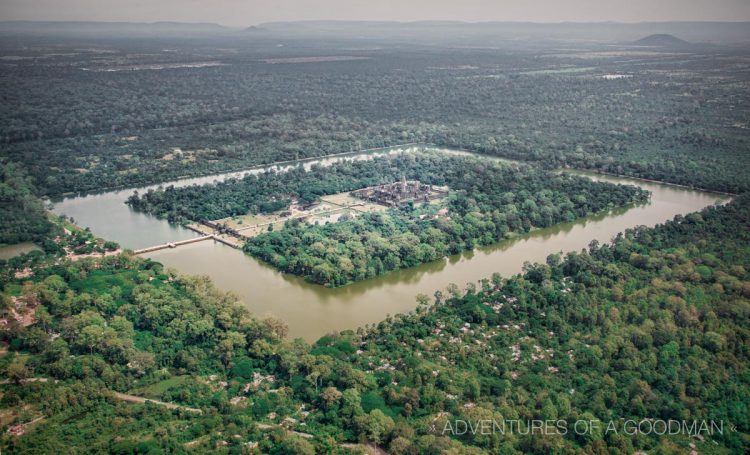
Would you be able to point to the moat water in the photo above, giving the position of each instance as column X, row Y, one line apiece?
column 310, row 310
column 9, row 251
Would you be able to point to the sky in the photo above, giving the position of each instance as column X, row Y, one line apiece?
column 250, row 12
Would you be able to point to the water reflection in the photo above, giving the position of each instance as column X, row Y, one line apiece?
column 311, row 310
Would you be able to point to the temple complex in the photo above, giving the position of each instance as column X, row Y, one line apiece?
column 399, row 193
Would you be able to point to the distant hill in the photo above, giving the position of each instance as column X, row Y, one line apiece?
column 256, row 29
column 484, row 34
column 491, row 33
column 661, row 40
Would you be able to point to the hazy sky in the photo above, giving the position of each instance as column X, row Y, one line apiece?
column 247, row 12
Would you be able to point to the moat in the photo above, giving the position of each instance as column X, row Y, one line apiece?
column 311, row 310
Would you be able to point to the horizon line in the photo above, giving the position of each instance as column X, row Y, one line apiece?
column 390, row 21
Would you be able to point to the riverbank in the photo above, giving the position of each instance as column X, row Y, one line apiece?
column 639, row 179
column 310, row 310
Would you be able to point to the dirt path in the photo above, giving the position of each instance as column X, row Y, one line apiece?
column 370, row 449
column 119, row 396
column 136, row 399
column 8, row 381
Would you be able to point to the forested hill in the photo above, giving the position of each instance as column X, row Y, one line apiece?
column 653, row 326
column 661, row 40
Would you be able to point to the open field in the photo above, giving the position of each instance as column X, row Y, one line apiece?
column 246, row 222
column 330, row 217
column 250, row 220
column 355, row 204
column 342, row 199
column 329, row 210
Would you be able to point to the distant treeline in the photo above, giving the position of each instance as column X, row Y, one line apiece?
column 84, row 130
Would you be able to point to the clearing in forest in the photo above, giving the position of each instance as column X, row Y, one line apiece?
column 330, row 209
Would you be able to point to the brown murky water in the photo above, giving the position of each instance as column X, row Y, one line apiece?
column 312, row 311
column 9, row 251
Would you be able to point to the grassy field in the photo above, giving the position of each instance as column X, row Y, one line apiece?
column 330, row 217
column 368, row 207
column 329, row 210
column 346, row 200
column 156, row 390
column 253, row 220
column 239, row 222
column 343, row 199
column 257, row 230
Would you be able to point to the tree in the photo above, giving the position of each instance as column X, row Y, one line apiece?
column 142, row 362
column 330, row 397
column 293, row 445
column 18, row 370
column 351, row 405
column 91, row 336
column 243, row 368
column 375, row 426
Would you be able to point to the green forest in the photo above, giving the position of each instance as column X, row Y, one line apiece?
column 487, row 203
column 654, row 324
column 78, row 123
column 23, row 216
column 105, row 351
column 521, row 199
